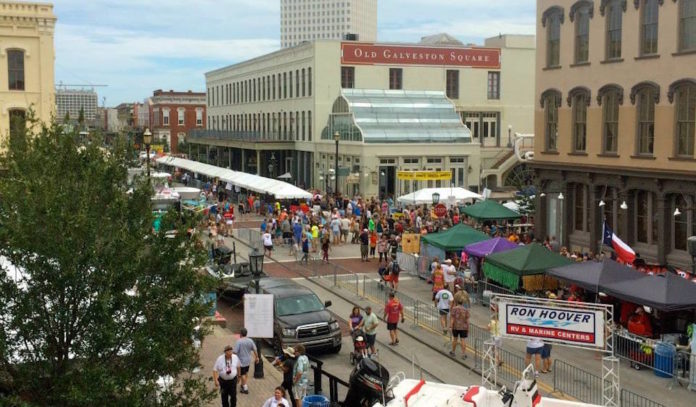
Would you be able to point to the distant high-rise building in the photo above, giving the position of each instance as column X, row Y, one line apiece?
column 72, row 101
column 307, row 20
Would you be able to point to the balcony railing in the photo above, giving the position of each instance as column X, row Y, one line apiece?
column 249, row 136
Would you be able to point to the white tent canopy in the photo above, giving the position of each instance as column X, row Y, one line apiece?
column 256, row 183
column 425, row 196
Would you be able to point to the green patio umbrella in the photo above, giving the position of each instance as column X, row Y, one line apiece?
column 455, row 238
column 490, row 210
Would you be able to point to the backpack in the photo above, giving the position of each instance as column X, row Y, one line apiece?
column 395, row 268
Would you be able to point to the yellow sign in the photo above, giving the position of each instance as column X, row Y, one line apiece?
column 158, row 147
column 424, row 175
column 410, row 243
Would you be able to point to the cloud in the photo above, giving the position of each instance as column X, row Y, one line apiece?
column 137, row 46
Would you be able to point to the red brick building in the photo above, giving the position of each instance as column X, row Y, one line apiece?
column 173, row 114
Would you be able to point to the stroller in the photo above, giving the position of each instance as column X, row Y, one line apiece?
column 359, row 347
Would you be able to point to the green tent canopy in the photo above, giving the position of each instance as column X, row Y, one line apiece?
column 490, row 210
column 455, row 238
column 508, row 267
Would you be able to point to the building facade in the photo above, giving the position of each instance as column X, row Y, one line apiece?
column 73, row 101
column 174, row 114
column 308, row 20
column 276, row 109
column 615, row 114
column 26, row 64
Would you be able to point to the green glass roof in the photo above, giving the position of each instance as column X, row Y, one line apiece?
column 401, row 116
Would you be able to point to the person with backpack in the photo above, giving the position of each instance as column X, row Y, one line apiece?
column 394, row 270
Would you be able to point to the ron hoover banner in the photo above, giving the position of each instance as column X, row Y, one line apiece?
column 555, row 323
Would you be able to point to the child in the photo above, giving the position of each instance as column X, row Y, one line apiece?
column 494, row 328
column 373, row 243
column 325, row 241
column 305, row 249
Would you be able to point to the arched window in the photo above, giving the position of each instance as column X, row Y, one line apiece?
column 581, row 12
column 683, row 94
column 687, row 25
column 550, row 102
column 552, row 20
column 579, row 100
column 646, row 95
column 15, row 69
column 614, row 23
column 610, row 97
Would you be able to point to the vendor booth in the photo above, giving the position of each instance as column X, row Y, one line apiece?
column 438, row 244
column 425, row 196
column 524, row 267
column 490, row 210
column 593, row 275
column 486, row 247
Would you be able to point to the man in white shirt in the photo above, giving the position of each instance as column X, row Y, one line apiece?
column 267, row 243
column 443, row 298
column 450, row 274
column 225, row 373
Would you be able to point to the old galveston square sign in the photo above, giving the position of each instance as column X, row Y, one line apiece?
column 370, row 54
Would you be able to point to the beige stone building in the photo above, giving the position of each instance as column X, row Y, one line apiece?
column 26, row 63
column 614, row 123
column 439, row 105
column 309, row 20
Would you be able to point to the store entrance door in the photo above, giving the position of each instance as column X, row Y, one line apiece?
column 387, row 181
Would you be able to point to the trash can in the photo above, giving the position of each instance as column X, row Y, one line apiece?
column 664, row 359
column 315, row 400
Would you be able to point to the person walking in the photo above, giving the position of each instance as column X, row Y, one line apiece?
column 443, row 298
column 392, row 311
column 287, row 364
column 278, row 399
column 364, row 244
column 546, row 358
column 300, row 377
column 394, row 271
column 459, row 321
column 325, row 243
column 225, row 373
column 305, row 249
column 450, row 274
column 534, row 347
column 370, row 323
column 267, row 238
column 382, row 246
column 244, row 349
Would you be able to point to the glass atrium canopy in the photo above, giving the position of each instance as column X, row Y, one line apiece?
column 395, row 116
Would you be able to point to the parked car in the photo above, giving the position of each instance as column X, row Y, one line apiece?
column 299, row 317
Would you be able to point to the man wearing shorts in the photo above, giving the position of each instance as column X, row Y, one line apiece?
column 534, row 348
column 443, row 298
column 459, row 321
column 370, row 325
column 267, row 243
column 392, row 311
column 245, row 348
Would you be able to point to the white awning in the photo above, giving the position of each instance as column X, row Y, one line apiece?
column 425, row 195
column 256, row 183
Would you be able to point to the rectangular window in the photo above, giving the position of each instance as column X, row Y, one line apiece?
column 494, row 85
column 199, row 117
column 347, row 77
column 648, row 33
column 395, row 78
column 642, row 216
column 687, row 25
column 614, row 23
column 290, row 83
column 165, row 117
column 579, row 212
column 582, row 35
column 452, row 83
column 580, row 122
column 309, row 82
column 15, row 69
column 685, row 100
column 303, row 83
column 181, row 116
column 309, row 125
column 274, row 86
column 551, row 122
column 297, row 83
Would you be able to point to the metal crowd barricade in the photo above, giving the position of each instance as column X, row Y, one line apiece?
column 630, row 399
column 485, row 286
column 576, row 382
column 408, row 262
column 636, row 350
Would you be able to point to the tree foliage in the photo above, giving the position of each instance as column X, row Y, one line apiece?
column 99, row 307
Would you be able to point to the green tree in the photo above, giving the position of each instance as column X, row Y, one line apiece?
column 101, row 306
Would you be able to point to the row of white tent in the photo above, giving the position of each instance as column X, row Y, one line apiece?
column 251, row 182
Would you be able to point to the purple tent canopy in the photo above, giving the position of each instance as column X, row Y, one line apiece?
column 483, row 249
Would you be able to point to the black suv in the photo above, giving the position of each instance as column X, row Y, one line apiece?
column 299, row 317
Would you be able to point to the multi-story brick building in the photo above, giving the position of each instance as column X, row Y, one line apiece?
column 173, row 114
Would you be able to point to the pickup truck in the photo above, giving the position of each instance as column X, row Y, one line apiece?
column 299, row 317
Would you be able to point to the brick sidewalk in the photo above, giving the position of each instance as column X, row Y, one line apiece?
column 259, row 389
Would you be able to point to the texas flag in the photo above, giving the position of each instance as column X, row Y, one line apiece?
column 623, row 251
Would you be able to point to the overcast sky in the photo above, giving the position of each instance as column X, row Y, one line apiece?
column 137, row 46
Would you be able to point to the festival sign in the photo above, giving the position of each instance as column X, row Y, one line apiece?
column 356, row 53
column 554, row 323
column 424, row 175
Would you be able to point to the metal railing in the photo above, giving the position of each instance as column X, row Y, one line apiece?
column 334, row 382
column 408, row 262
column 577, row 383
column 631, row 399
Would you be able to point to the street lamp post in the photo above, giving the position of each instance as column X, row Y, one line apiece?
column 147, row 139
column 256, row 267
column 337, row 138
column 509, row 136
